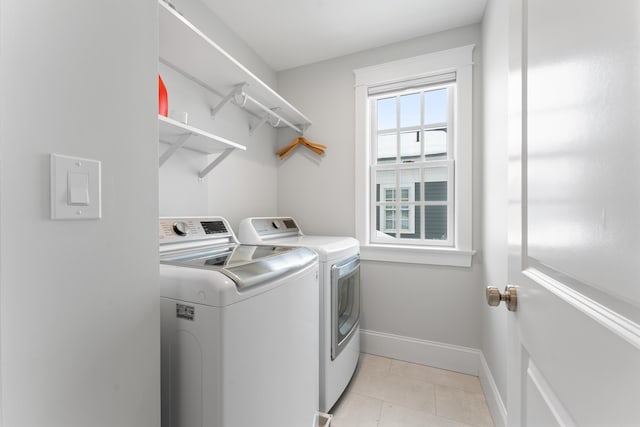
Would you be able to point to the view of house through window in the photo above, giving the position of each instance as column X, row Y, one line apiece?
column 412, row 165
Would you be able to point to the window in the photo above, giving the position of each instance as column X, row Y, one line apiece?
column 411, row 137
column 413, row 159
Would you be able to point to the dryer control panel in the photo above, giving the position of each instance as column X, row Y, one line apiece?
column 259, row 230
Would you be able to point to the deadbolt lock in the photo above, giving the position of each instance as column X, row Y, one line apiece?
column 510, row 297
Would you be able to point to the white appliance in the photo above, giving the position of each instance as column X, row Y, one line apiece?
column 239, row 329
column 339, row 296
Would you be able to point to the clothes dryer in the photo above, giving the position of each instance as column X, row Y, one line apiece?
column 339, row 305
column 239, row 329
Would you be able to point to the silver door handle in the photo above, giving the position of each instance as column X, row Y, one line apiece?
column 510, row 297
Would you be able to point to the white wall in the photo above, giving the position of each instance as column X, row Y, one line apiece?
column 209, row 23
column 242, row 185
column 494, row 194
column 425, row 302
column 79, row 299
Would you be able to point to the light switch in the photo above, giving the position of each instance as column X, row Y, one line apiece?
column 75, row 188
column 78, row 189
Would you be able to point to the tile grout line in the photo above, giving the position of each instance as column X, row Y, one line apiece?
column 380, row 413
column 435, row 400
column 386, row 371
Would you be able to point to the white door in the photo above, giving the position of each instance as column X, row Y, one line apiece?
column 574, row 220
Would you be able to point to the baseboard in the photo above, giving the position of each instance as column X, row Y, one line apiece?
column 491, row 394
column 439, row 355
column 456, row 358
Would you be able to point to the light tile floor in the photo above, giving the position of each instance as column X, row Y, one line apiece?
column 391, row 393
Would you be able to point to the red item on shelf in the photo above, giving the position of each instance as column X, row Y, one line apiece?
column 163, row 102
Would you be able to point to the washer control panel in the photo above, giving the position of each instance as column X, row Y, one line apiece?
column 188, row 229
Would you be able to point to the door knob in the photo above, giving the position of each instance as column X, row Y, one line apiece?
column 510, row 297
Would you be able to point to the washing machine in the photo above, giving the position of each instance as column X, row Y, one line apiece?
column 239, row 329
column 339, row 302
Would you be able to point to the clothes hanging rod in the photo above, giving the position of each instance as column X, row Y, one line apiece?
column 273, row 113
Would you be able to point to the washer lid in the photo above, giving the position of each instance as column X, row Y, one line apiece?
column 246, row 265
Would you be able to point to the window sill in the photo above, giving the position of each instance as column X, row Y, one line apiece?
column 410, row 255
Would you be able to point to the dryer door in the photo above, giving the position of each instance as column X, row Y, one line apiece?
column 345, row 303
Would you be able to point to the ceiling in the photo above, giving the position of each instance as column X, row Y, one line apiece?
column 290, row 33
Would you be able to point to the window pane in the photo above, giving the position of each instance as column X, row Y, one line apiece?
column 387, row 148
column 435, row 144
column 390, row 218
column 404, row 217
column 435, row 220
column 414, row 228
column 435, row 106
column 435, row 185
column 410, row 146
column 410, row 110
column 387, row 118
column 386, row 221
column 410, row 185
column 385, row 180
column 435, row 191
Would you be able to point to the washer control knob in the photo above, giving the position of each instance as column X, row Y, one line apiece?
column 180, row 228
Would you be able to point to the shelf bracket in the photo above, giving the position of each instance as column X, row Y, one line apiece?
column 278, row 119
column 236, row 91
column 173, row 148
column 273, row 115
column 204, row 172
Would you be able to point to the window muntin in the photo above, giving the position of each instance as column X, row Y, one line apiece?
column 411, row 142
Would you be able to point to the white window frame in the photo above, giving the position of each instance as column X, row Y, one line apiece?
column 460, row 61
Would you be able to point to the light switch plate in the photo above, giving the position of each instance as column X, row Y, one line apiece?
column 85, row 201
